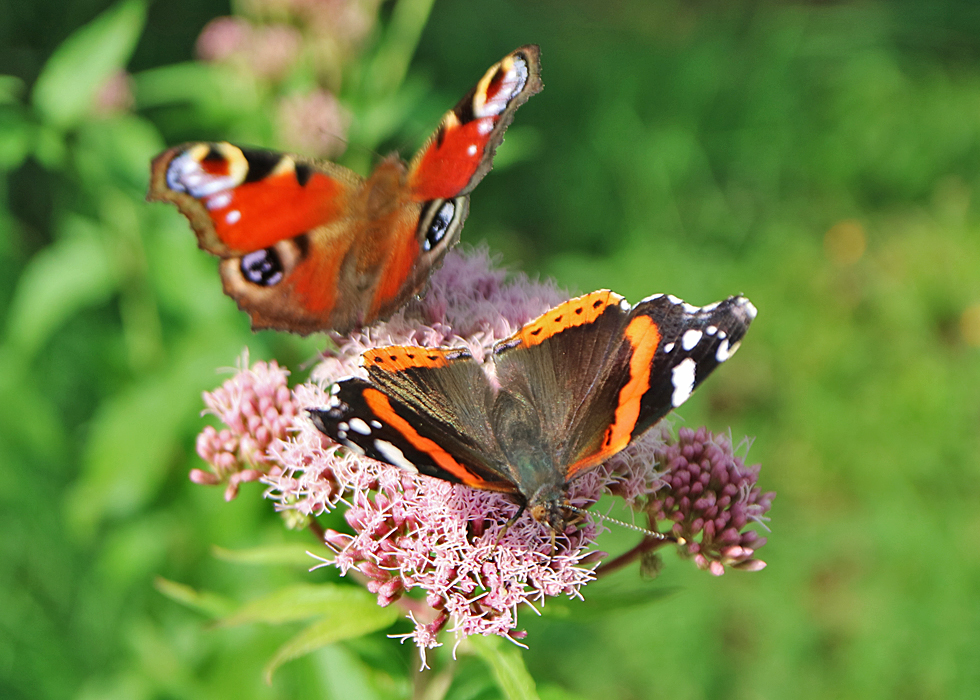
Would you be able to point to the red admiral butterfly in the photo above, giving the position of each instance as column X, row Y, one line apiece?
column 559, row 397
column 309, row 245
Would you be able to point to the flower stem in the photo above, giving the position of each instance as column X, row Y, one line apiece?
column 647, row 544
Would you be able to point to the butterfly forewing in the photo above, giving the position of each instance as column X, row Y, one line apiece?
column 667, row 348
column 694, row 342
column 460, row 152
column 368, row 421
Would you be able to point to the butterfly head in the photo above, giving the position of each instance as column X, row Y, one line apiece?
column 549, row 506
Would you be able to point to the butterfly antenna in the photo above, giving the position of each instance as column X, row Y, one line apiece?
column 629, row 526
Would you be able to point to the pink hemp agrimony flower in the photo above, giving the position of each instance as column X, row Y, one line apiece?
column 711, row 495
column 314, row 123
column 266, row 50
column 407, row 531
column 258, row 408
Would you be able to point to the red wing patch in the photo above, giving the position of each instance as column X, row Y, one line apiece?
column 460, row 152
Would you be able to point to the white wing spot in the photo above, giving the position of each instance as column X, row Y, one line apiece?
column 359, row 426
column 471, row 150
column 691, row 338
column 682, row 377
column 711, row 330
column 392, row 455
column 353, row 447
column 484, row 126
column 711, row 307
column 233, row 217
column 750, row 309
column 722, row 354
column 376, row 424
column 668, row 347
column 218, row 201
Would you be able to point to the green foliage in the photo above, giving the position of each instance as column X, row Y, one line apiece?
column 696, row 149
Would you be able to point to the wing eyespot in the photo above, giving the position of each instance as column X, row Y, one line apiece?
column 263, row 267
column 439, row 224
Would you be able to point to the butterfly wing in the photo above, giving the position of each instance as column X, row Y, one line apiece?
column 668, row 348
column 460, row 152
column 309, row 245
column 601, row 372
column 279, row 223
column 424, row 409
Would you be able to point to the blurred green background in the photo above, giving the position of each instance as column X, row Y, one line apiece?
column 822, row 158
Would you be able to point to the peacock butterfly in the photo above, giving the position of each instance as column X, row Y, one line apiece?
column 308, row 245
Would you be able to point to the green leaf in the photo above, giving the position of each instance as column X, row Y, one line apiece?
column 28, row 419
column 69, row 81
column 117, row 150
column 507, row 665
column 70, row 274
column 11, row 88
column 210, row 604
column 303, row 601
column 16, row 137
column 555, row 692
column 276, row 555
column 342, row 623
column 135, row 435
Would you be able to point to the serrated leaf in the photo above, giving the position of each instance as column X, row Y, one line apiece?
column 507, row 665
column 70, row 274
column 341, row 623
column 66, row 88
column 304, row 601
column 210, row 604
column 275, row 555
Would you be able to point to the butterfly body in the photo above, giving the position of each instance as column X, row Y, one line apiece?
column 308, row 245
column 561, row 396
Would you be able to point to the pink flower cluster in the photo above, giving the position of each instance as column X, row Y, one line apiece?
column 258, row 409
column 277, row 40
column 711, row 497
column 406, row 531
